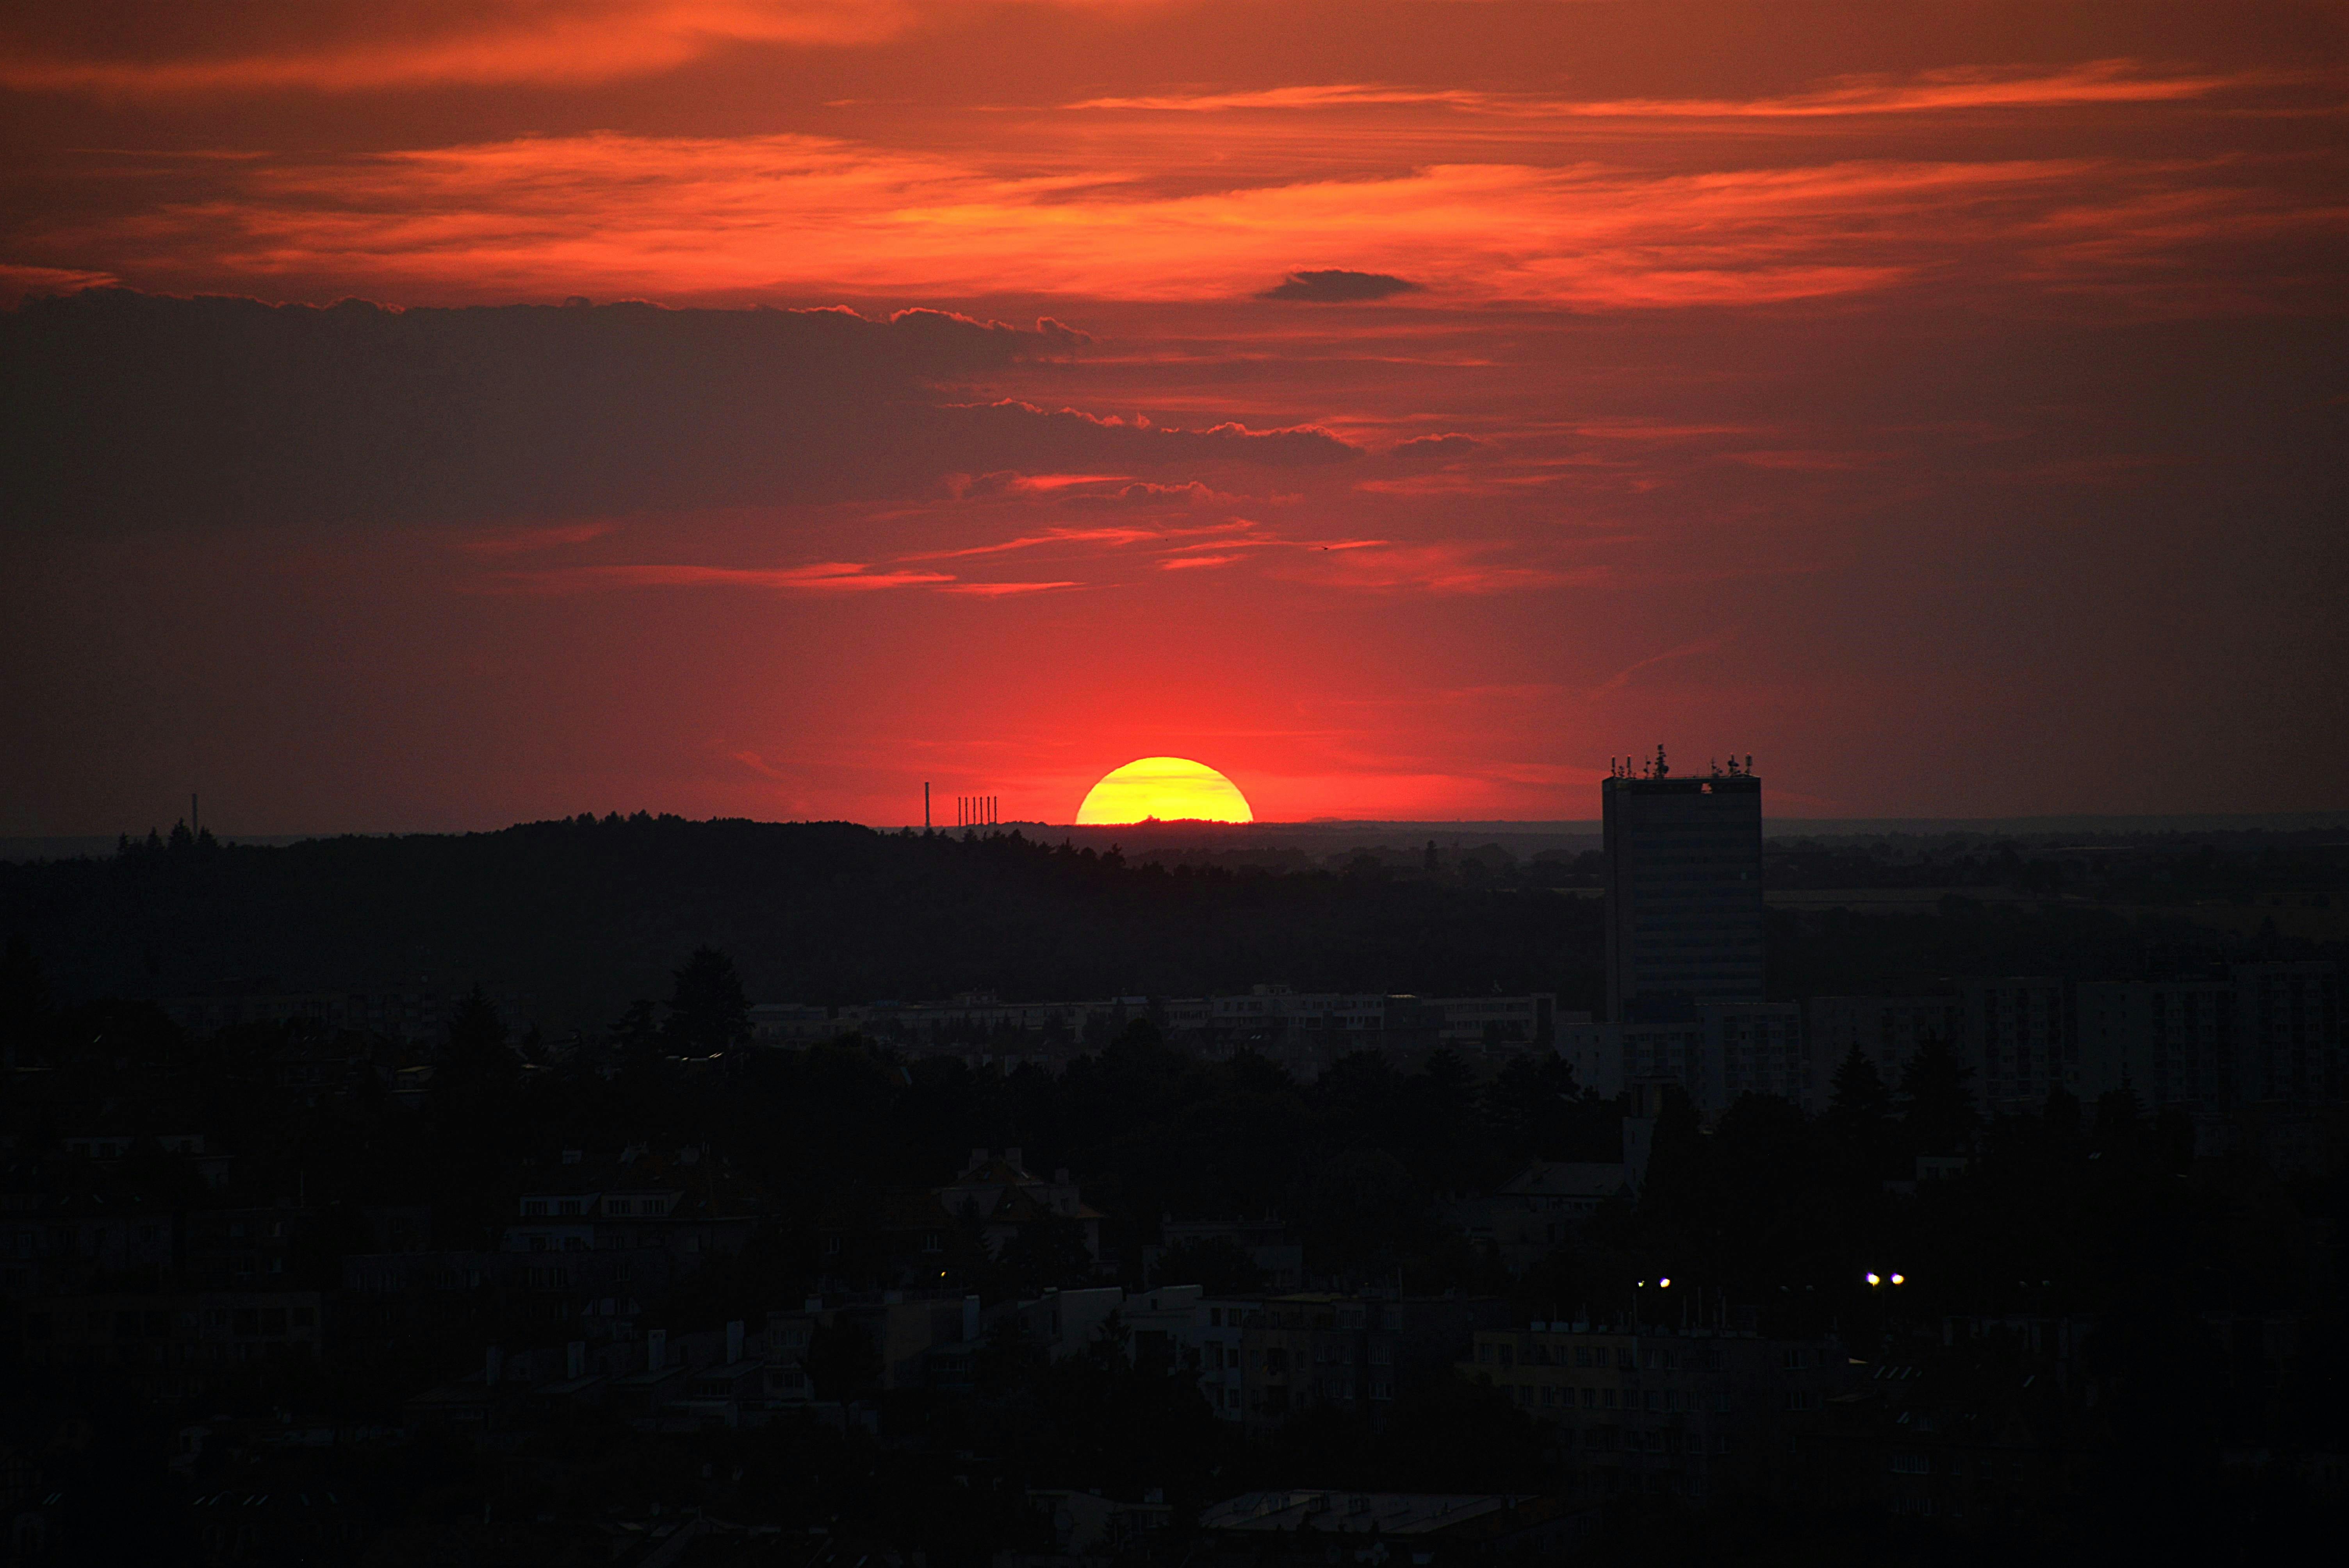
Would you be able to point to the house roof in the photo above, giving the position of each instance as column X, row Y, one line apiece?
column 1388, row 1514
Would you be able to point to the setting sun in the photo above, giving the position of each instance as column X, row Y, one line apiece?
column 1171, row 789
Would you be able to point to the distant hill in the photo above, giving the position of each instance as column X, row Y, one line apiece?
column 584, row 916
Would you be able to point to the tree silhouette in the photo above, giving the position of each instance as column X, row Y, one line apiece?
column 1941, row 1118
column 842, row 1361
column 636, row 1036
column 1047, row 1253
column 1218, row 1264
column 708, row 1010
column 478, row 1058
column 1859, row 1094
column 25, row 1004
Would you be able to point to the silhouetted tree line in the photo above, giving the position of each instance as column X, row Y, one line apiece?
column 587, row 914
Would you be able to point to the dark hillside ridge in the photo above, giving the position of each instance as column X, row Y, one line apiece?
column 580, row 916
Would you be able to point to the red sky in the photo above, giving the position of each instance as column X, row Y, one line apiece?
column 1942, row 404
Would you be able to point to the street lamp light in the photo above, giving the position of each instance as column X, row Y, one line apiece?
column 1876, row 1283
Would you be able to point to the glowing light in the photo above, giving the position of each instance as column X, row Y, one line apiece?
column 1171, row 789
column 1664, row 1284
column 1874, row 1280
column 1899, row 1279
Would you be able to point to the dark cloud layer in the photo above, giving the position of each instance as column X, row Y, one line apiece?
column 1336, row 285
column 121, row 410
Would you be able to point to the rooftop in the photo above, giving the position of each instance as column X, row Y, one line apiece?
column 1386, row 1513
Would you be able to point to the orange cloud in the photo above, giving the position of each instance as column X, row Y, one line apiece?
column 1000, row 590
column 16, row 283
column 2107, row 81
column 494, row 41
column 521, row 541
column 1622, row 677
column 1113, row 536
column 1441, row 568
column 823, row 577
column 744, row 216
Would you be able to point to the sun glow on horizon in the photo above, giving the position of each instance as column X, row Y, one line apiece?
column 1170, row 788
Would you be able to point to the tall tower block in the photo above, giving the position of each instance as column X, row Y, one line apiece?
column 1683, row 891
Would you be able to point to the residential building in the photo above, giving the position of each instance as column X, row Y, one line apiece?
column 1886, row 1031
column 1990, row 1426
column 245, row 1249
column 1660, row 1052
column 2289, row 1033
column 1267, row 1242
column 1539, row 1208
column 182, row 1342
column 1474, row 1024
column 1087, row 1526
column 1752, row 1047
column 1065, row 1323
column 1698, row 1415
column 1285, row 1526
column 1354, row 1354
column 1716, row 1051
column 1161, row 1325
column 2019, row 1042
column 1002, row 1197
column 619, row 1240
column 1219, row 1347
column 73, row 1243
column 791, row 1024
column 1595, row 1052
column 2265, row 1032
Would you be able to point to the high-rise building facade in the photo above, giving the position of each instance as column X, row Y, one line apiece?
column 2018, row 1041
column 1683, row 891
column 2288, row 1020
column 2266, row 1033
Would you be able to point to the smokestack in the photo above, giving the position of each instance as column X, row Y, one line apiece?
column 926, row 805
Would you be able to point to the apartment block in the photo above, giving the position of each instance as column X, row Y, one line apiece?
column 1697, row 1414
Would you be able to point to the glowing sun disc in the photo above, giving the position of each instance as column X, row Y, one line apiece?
column 1171, row 789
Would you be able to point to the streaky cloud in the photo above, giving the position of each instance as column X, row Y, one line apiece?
column 1335, row 286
